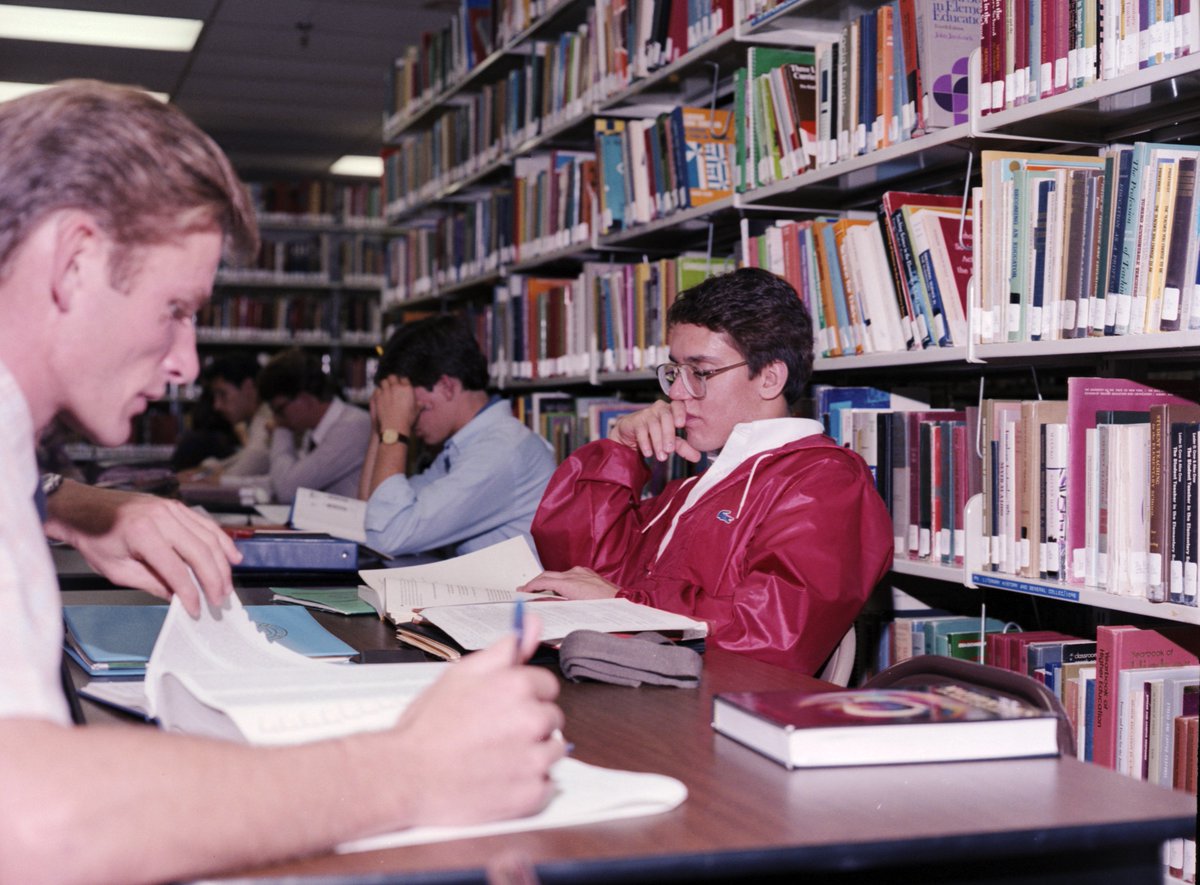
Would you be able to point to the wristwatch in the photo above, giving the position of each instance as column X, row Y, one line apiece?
column 391, row 437
column 51, row 483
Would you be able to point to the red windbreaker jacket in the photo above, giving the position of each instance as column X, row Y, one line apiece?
column 779, row 557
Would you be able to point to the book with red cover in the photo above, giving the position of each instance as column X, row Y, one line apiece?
column 677, row 31
column 1007, row 650
column 1086, row 397
column 932, row 723
column 1122, row 648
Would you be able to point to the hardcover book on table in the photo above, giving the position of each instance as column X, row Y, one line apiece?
column 934, row 723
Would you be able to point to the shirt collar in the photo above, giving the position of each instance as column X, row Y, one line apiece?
column 484, row 419
column 16, row 430
column 753, row 437
column 332, row 415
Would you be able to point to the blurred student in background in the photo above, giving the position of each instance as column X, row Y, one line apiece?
column 230, row 383
column 318, row 438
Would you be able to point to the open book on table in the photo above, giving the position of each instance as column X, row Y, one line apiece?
column 471, row 598
column 218, row 676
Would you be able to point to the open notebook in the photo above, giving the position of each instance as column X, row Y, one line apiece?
column 218, row 676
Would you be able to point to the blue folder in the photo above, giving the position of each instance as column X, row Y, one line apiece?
column 116, row 640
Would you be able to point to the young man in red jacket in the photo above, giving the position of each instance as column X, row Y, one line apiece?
column 779, row 542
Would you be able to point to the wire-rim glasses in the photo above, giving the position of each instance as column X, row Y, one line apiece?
column 694, row 380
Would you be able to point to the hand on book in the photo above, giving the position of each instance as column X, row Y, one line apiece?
column 652, row 431
column 479, row 744
column 575, row 583
column 141, row 541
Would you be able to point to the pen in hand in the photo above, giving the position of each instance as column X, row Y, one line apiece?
column 519, row 630
column 519, row 633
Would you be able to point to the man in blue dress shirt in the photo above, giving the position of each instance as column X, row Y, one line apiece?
column 485, row 484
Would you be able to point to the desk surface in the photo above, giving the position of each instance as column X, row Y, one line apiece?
column 746, row 816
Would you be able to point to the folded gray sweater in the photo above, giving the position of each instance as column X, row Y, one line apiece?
column 628, row 660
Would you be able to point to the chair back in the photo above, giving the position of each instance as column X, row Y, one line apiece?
column 840, row 666
column 926, row 669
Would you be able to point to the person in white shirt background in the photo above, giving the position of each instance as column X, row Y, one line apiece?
column 232, row 380
column 318, row 439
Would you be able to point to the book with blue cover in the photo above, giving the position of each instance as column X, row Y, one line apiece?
column 116, row 640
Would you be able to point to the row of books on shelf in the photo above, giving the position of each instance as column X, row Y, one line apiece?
column 305, row 316
column 637, row 37
column 1033, row 49
column 455, row 146
column 318, row 201
column 568, row 421
column 895, row 283
column 550, row 85
column 554, row 197
column 609, row 318
column 1088, row 245
column 1029, row 50
column 463, row 243
column 620, row 41
column 315, row 258
column 885, row 76
column 1071, row 246
column 442, row 59
column 1097, row 490
column 547, row 207
column 922, row 460
column 652, row 168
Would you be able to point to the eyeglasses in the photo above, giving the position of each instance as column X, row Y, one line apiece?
column 694, row 380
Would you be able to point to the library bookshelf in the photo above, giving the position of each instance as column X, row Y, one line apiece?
column 1157, row 102
column 317, row 281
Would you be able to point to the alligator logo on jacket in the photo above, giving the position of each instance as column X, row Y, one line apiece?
column 725, row 516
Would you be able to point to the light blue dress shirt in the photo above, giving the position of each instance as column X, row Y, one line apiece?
column 483, row 488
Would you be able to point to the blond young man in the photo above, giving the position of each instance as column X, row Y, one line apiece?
column 115, row 212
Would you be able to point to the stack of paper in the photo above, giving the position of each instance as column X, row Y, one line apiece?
column 471, row 598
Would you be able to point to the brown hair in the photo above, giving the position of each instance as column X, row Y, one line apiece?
column 763, row 317
column 141, row 168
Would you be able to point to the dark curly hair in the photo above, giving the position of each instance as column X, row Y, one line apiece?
column 763, row 317
column 426, row 350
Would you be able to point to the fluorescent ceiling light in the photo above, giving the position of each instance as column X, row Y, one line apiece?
column 16, row 90
column 364, row 167
column 99, row 28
